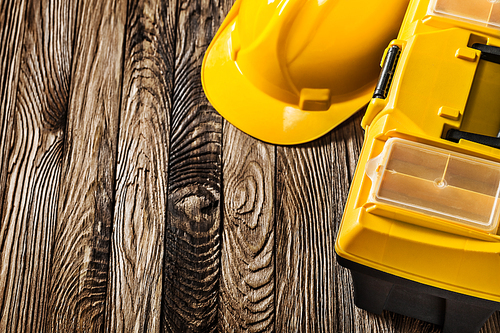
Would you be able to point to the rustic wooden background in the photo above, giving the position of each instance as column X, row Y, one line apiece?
column 128, row 204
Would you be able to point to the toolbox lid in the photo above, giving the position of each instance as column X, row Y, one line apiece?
column 436, row 182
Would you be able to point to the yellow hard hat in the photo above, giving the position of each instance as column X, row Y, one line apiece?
column 288, row 71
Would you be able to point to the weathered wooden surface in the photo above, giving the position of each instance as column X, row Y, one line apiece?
column 136, row 262
column 192, row 238
column 304, row 238
column 29, row 209
column 12, row 26
column 248, row 249
column 80, row 256
column 128, row 204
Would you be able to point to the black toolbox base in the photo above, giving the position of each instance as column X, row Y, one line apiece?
column 376, row 291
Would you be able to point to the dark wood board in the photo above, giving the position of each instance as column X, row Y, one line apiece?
column 304, row 238
column 136, row 262
column 34, row 164
column 192, row 239
column 80, row 256
column 248, row 240
column 12, row 26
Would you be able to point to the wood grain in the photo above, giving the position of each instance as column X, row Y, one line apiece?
column 135, row 275
column 31, row 191
column 347, row 141
column 192, row 240
column 304, row 238
column 492, row 324
column 85, row 210
column 247, row 281
column 12, row 18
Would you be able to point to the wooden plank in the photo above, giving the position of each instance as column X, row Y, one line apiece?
column 347, row 141
column 304, row 238
column 81, row 245
column 12, row 26
column 135, row 276
column 247, row 261
column 192, row 238
column 34, row 165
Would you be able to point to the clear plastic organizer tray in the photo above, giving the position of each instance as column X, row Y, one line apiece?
column 481, row 12
column 436, row 182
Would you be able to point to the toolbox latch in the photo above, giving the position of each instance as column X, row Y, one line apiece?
column 387, row 74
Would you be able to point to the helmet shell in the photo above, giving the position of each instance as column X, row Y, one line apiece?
column 289, row 71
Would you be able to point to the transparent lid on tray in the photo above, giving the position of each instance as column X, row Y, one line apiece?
column 437, row 182
column 481, row 12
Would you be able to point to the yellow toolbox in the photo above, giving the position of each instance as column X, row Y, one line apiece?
column 420, row 231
